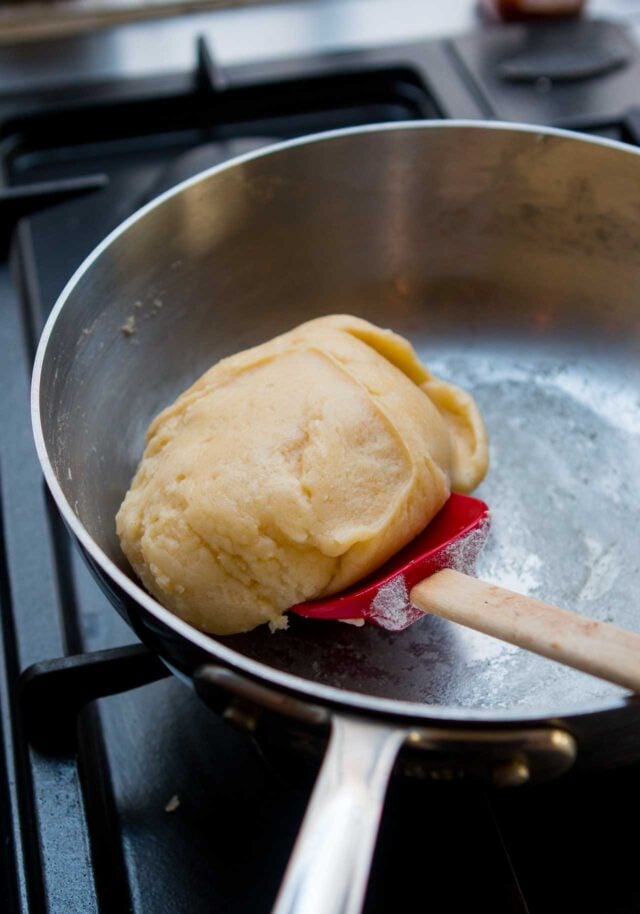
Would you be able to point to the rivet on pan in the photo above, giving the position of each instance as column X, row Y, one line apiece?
column 564, row 742
column 511, row 774
column 242, row 716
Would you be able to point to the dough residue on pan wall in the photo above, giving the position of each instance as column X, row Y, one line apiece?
column 291, row 470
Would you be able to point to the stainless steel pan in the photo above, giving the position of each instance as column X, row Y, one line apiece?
column 510, row 256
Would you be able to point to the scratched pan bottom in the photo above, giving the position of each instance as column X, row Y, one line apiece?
column 564, row 426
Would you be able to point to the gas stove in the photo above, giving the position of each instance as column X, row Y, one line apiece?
column 119, row 791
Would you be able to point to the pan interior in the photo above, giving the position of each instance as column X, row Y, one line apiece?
column 510, row 261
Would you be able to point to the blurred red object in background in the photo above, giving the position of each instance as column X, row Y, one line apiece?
column 510, row 10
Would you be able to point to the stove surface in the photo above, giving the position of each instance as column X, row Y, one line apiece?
column 159, row 805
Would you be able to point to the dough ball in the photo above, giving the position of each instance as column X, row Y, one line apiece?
column 292, row 470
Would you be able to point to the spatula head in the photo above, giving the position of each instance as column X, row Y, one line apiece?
column 453, row 539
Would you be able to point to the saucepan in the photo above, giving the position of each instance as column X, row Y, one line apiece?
column 510, row 257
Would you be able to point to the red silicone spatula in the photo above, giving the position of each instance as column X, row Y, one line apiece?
column 431, row 575
column 453, row 539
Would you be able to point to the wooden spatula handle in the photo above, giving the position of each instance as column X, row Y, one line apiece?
column 585, row 644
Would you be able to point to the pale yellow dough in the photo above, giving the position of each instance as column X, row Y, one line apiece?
column 292, row 470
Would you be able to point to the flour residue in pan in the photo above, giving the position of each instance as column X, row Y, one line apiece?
column 565, row 519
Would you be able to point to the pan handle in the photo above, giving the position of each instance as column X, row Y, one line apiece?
column 329, row 868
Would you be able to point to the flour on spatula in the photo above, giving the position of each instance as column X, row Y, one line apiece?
column 391, row 608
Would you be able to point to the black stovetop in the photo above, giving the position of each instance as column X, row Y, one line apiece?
column 159, row 806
